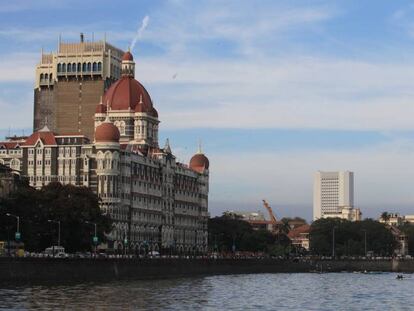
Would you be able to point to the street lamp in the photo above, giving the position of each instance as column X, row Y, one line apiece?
column 95, row 237
column 56, row 222
column 17, row 235
column 365, row 241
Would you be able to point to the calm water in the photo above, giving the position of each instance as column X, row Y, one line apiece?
column 336, row 291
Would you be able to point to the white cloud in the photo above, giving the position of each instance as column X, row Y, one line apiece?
column 288, row 93
column 18, row 67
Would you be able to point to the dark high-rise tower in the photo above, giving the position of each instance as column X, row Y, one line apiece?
column 70, row 82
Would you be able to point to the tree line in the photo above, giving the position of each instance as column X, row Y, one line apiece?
column 39, row 212
column 347, row 238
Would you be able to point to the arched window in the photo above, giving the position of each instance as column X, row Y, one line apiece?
column 15, row 164
column 63, row 67
column 89, row 67
column 84, row 67
column 79, row 67
column 51, row 77
column 41, row 77
column 69, row 67
column 94, row 67
column 99, row 66
column 108, row 160
column 59, row 69
column 46, row 76
column 74, row 67
column 122, row 128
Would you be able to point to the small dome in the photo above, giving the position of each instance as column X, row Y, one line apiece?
column 199, row 162
column 107, row 132
column 128, row 56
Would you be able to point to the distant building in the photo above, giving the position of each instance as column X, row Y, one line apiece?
column 11, row 152
column 256, row 219
column 402, row 240
column 69, row 83
column 409, row 218
column 333, row 196
column 395, row 219
column 300, row 236
column 392, row 219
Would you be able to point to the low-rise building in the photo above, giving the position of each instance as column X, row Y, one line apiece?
column 300, row 237
column 347, row 213
column 256, row 219
column 402, row 240
column 395, row 219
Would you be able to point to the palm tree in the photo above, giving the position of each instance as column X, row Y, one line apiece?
column 385, row 216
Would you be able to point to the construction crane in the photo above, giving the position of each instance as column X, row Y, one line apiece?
column 269, row 210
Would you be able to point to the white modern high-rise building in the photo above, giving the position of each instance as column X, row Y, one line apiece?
column 333, row 195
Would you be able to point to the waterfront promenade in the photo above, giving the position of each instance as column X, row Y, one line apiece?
column 55, row 269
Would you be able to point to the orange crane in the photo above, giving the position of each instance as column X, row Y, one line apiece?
column 269, row 210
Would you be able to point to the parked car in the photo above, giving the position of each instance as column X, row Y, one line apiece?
column 56, row 252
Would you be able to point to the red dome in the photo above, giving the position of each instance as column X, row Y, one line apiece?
column 127, row 93
column 199, row 162
column 154, row 112
column 107, row 132
column 128, row 56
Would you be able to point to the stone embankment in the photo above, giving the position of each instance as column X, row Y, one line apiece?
column 18, row 270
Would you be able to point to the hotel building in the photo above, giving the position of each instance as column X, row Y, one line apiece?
column 155, row 201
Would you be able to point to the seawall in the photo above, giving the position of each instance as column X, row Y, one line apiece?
column 22, row 270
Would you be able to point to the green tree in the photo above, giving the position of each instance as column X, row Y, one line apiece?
column 70, row 205
column 224, row 230
column 385, row 216
column 408, row 229
column 350, row 237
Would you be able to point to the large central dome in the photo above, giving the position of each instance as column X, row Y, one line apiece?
column 127, row 93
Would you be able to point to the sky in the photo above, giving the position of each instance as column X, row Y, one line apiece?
column 275, row 90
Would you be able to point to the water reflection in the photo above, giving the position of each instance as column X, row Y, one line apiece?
column 336, row 291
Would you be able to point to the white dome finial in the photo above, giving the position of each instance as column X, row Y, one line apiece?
column 199, row 147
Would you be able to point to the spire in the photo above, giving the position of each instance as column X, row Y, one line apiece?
column 107, row 112
column 199, row 150
column 167, row 147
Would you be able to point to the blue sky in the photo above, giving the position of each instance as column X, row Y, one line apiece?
column 274, row 89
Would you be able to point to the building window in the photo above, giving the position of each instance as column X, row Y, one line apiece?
column 59, row 68
column 79, row 67
column 95, row 67
column 99, row 66
column 89, row 67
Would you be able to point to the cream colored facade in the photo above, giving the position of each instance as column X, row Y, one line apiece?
column 332, row 192
column 156, row 202
column 69, row 83
column 347, row 213
column 79, row 60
